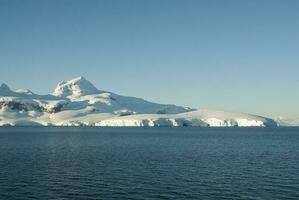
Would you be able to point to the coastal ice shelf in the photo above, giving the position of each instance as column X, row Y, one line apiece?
column 79, row 103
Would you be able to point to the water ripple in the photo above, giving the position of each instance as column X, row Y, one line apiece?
column 147, row 164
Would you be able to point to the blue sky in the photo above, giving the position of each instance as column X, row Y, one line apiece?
column 231, row 55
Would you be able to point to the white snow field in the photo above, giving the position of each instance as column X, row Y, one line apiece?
column 79, row 103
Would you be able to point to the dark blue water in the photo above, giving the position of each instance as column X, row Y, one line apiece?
column 157, row 163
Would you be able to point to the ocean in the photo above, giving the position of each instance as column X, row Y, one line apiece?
column 72, row 163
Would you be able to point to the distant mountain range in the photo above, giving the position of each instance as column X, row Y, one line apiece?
column 79, row 103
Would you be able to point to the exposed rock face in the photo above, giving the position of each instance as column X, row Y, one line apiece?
column 34, row 106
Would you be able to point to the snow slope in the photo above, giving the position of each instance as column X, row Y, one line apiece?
column 79, row 103
column 281, row 121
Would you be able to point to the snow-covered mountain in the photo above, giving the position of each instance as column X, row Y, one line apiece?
column 281, row 121
column 78, row 102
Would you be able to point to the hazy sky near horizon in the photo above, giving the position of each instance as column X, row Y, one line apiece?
column 233, row 55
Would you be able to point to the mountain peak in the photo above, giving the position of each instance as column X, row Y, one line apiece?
column 80, row 78
column 3, row 86
column 76, row 87
column 5, row 90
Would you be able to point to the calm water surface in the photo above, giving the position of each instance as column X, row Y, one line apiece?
column 143, row 163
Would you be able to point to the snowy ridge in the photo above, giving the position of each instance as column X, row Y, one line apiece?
column 79, row 103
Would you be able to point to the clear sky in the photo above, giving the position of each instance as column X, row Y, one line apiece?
column 240, row 55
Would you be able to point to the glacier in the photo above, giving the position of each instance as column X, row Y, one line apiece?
column 78, row 102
